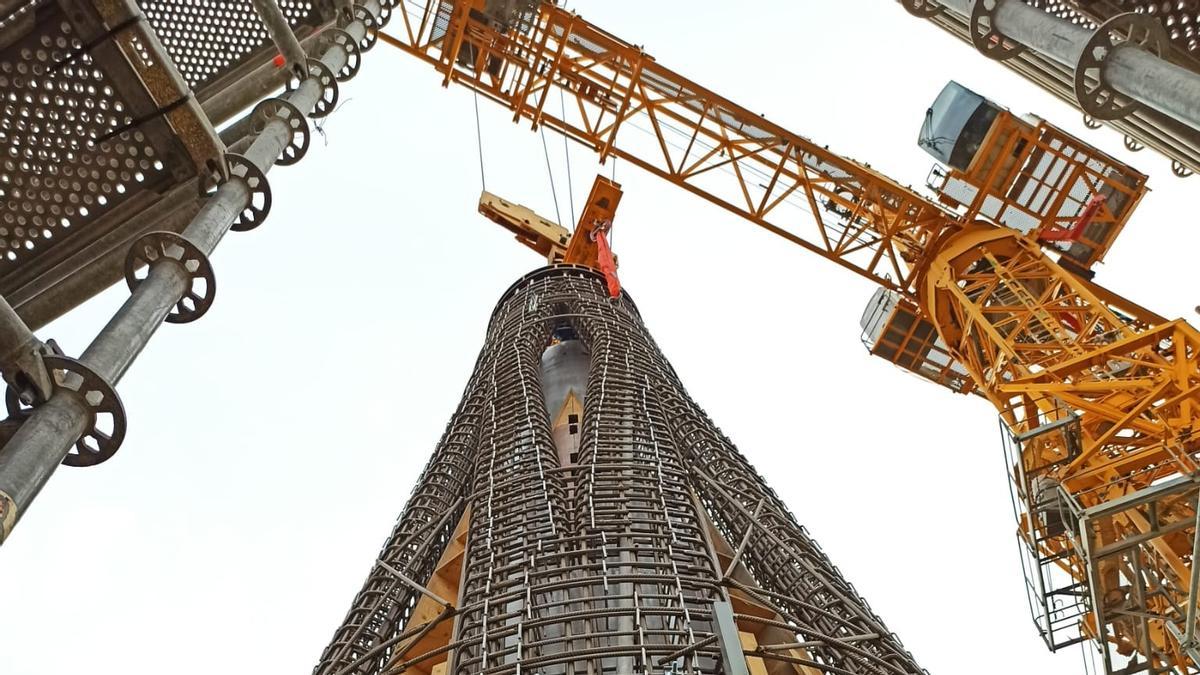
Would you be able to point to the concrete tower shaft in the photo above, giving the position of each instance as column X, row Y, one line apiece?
column 650, row 545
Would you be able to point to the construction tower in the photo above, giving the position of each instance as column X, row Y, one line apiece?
column 582, row 514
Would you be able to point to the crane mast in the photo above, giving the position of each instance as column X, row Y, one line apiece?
column 984, row 290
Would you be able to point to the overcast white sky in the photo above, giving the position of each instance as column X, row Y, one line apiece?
column 272, row 444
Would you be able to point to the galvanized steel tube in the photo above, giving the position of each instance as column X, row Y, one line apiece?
column 1134, row 72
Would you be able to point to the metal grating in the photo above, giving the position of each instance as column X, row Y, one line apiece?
column 209, row 38
column 1063, row 9
column 605, row 564
column 54, row 177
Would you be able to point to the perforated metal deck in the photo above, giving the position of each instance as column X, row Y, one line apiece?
column 101, row 133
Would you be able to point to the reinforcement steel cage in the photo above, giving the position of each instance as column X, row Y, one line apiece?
column 609, row 565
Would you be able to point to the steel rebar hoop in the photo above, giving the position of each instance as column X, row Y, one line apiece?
column 280, row 108
column 986, row 37
column 157, row 247
column 258, row 207
column 1095, row 95
column 329, row 87
column 337, row 36
column 95, row 446
column 924, row 9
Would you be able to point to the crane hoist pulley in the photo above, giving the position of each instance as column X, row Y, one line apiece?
column 985, row 288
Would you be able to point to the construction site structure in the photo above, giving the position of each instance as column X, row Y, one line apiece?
column 582, row 515
column 984, row 290
column 114, row 169
column 1133, row 65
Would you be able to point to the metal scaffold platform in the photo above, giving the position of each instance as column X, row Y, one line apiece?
column 123, row 156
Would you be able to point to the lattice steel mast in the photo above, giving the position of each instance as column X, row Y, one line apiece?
column 582, row 515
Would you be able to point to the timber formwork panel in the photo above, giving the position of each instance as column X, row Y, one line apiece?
column 607, row 565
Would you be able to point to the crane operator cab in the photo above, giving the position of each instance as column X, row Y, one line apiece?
column 1028, row 175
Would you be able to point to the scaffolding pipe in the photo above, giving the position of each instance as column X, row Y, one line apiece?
column 281, row 34
column 20, row 356
column 1134, row 72
column 45, row 438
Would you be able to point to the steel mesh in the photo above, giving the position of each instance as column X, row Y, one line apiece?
column 208, row 38
column 602, row 566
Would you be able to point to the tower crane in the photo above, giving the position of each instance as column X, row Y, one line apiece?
column 985, row 289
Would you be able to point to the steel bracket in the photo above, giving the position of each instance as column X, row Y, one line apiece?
column 95, row 445
column 28, row 377
column 339, row 37
column 986, row 37
column 157, row 247
column 258, row 207
column 329, row 87
column 385, row 10
column 280, row 108
column 1095, row 95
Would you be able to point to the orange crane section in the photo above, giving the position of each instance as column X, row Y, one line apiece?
column 984, row 288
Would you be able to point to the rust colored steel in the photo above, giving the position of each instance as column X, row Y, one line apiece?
column 660, row 551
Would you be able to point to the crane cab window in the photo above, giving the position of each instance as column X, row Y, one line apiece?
column 956, row 125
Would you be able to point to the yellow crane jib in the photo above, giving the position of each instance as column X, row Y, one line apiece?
column 551, row 240
column 984, row 288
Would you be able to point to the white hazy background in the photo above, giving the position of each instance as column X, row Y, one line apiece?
column 272, row 444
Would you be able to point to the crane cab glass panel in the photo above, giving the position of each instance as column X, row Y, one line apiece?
column 894, row 330
column 956, row 125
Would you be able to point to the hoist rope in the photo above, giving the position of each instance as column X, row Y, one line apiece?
column 567, row 151
column 550, row 173
column 479, row 143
